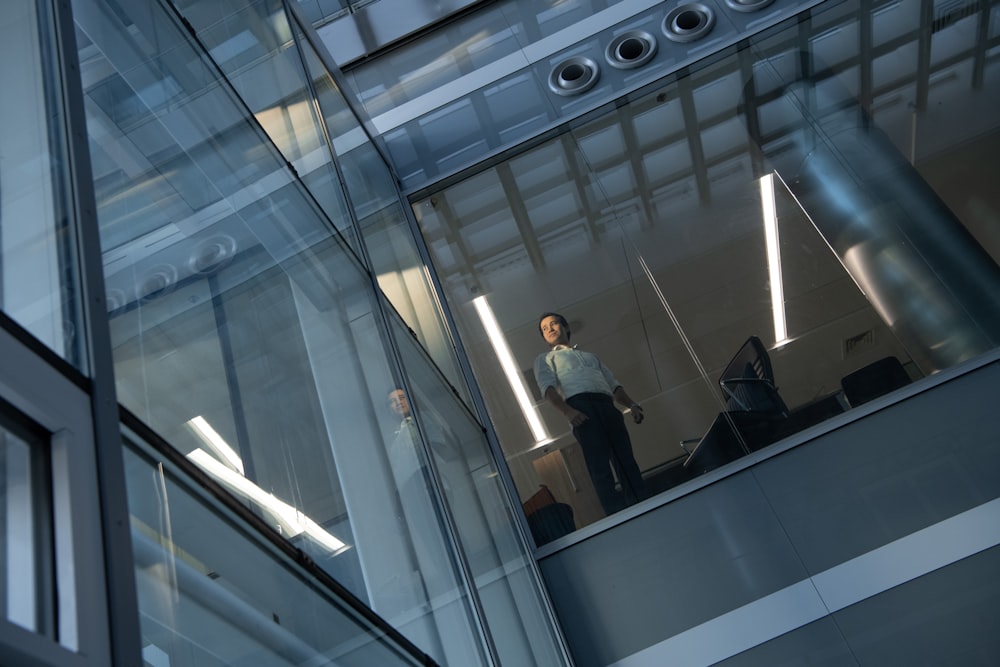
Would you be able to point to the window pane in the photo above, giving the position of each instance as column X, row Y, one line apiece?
column 211, row 594
column 25, row 529
column 38, row 283
column 484, row 525
column 752, row 246
column 247, row 333
column 389, row 240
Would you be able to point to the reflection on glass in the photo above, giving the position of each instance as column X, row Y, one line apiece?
column 209, row 594
column 389, row 242
column 26, row 587
column 245, row 331
column 38, row 279
column 505, row 582
column 265, row 69
column 299, row 106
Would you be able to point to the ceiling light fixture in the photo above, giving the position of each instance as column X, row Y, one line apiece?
column 216, row 443
column 510, row 369
column 773, row 257
column 290, row 521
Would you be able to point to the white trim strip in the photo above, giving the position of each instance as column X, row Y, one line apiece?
column 910, row 557
column 875, row 572
column 498, row 69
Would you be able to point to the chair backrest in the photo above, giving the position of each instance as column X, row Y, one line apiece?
column 747, row 382
column 877, row 378
column 753, row 353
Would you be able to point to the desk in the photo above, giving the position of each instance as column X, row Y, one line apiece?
column 720, row 444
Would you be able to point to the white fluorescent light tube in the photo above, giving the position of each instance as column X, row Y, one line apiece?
column 510, row 369
column 292, row 521
column 216, row 443
column 773, row 257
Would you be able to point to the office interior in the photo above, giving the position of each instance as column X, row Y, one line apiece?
column 774, row 220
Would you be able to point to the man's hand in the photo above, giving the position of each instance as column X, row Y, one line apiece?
column 637, row 414
column 575, row 417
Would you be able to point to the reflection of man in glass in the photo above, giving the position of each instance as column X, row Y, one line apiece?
column 421, row 514
column 582, row 388
column 403, row 456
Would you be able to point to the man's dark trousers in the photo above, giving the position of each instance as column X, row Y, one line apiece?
column 605, row 442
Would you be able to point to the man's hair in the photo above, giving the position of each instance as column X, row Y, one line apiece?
column 562, row 321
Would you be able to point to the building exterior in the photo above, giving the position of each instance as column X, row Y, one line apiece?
column 270, row 279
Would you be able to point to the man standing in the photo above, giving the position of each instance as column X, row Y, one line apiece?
column 584, row 390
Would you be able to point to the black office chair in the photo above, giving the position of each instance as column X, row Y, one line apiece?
column 753, row 407
column 747, row 382
column 871, row 381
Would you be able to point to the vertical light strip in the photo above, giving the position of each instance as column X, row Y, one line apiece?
column 773, row 256
column 510, row 369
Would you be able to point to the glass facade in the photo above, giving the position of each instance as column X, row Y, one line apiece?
column 317, row 389
column 266, row 299
column 823, row 187
column 39, row 287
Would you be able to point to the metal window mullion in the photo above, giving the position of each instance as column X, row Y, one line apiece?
column 122, row 604
column 362, row 247
column 389, row 339
column 493, row 442
column 331, row 68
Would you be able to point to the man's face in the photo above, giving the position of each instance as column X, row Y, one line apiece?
column 553, row 331
column 398, row 403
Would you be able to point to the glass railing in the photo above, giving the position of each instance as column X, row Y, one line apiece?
column 213, row 591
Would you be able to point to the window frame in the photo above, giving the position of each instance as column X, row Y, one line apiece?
column 35, row 390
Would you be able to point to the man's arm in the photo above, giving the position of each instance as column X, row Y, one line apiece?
column 622, row 397
column 574, row 416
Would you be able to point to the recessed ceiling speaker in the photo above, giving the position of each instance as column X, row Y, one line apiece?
column 158, row 282
column 574, row 76
column 688, row 22
column 631, row 49
column 212, row 254
column 747, row 5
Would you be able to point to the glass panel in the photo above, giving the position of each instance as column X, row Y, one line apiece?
column 38, row 270
column 751, row 249
column 212, row 594
column 506, row 583
column 265, row 67
column 247, row 333
column 389, row 242
column 251, row 43
column 26, row 551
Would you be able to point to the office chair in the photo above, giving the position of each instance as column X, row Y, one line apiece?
column 747, row 382
column 871, row 381
column 753, row 407
column 548, row 519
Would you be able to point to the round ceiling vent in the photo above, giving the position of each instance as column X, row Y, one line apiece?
column 574, row 76
column 158, row 282
column 212, row 255
column 115, row 300
column 631, row 49
column 688, row 22
column 747, row 5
